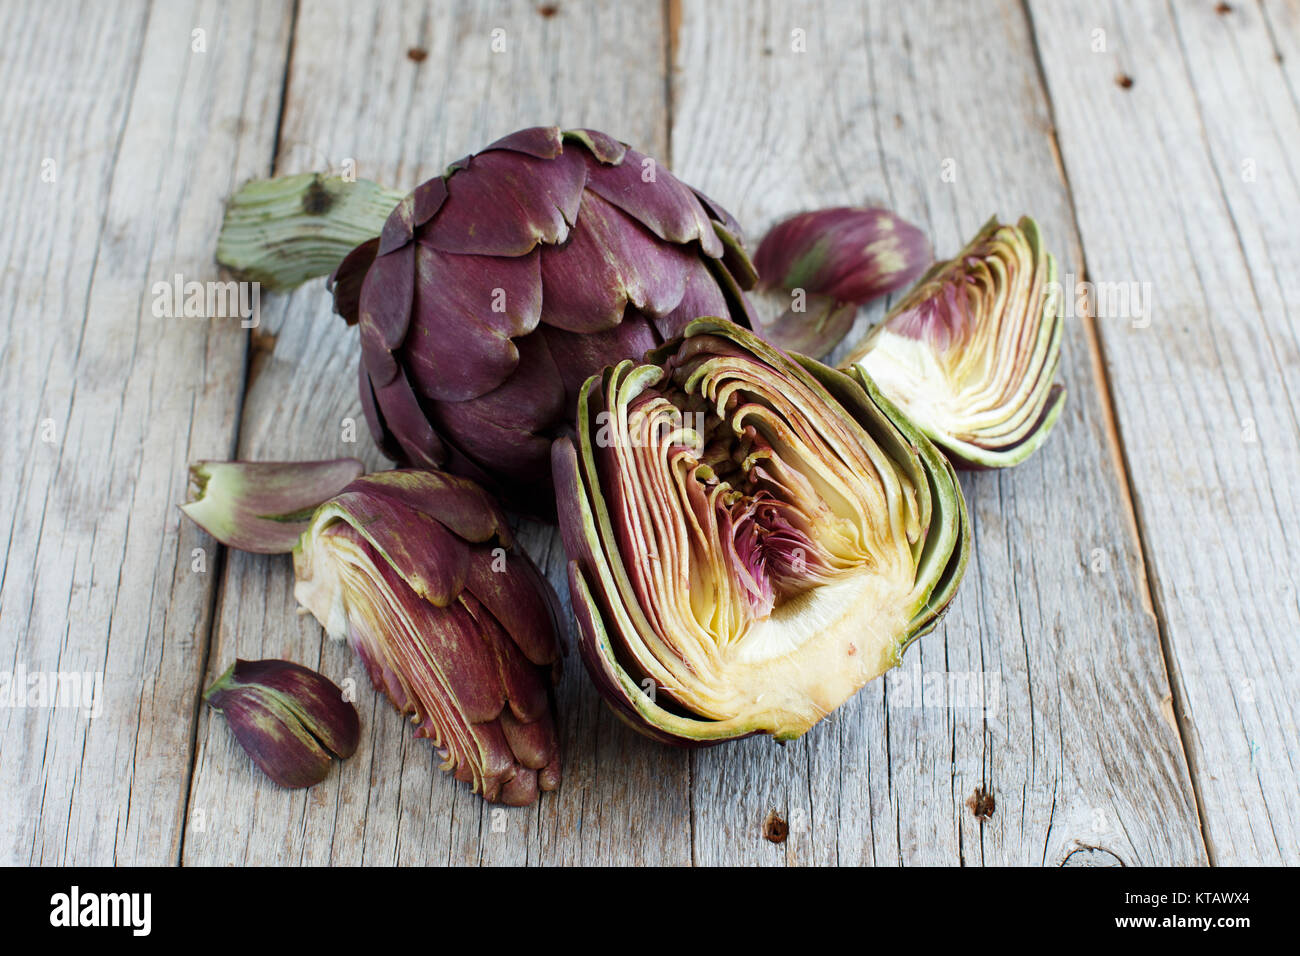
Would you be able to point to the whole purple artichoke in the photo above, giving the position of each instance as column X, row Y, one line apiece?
column 497, row 288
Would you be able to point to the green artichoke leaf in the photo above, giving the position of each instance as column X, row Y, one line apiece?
column 281, row 232
column 263, row 506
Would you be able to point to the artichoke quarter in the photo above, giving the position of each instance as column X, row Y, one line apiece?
column 752, row 536
column 970, row 353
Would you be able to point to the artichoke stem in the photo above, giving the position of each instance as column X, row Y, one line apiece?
column 283, row 231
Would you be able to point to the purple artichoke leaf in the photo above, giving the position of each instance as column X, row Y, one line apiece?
column 816, row 268
column 289, row 719
column 263, row 507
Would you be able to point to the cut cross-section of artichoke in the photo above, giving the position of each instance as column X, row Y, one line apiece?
column 752, row 538
column 970, row 352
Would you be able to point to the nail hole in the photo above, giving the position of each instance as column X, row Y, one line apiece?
column 981, row 804
column 775, row 829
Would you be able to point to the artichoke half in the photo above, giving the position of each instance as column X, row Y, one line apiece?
column 753, row 536
column 496, row 289
column 970, row 352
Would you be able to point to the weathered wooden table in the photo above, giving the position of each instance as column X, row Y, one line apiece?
column 1131, row 606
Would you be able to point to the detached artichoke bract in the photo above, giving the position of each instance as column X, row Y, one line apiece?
column 417, row 571
column 969, row 353
column 414, row 569
column 289, row 719
column 821, row 266
column 263, row 506
column 495, row 289
column 752, row 536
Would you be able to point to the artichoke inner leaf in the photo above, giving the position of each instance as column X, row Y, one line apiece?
column 342, row 563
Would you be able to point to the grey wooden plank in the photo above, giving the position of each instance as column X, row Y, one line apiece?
column 1281, row 21
column 105, row 401
column 1186, row 180
column 355, row 94
column 1078, row 753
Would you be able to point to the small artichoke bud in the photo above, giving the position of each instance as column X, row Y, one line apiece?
column 263, row 506
column 289, row 719
column 825, row 264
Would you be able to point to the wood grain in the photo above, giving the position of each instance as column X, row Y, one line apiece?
column 622, row 799
column 1186, row 180
column 1052, row 613
column 105, row 402
column 1157, row 527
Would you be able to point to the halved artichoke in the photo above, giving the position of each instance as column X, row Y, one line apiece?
column 753, row 536
column 970, row 352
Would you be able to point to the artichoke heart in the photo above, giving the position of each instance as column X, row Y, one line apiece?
column 970, row 352
column 752, row 537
